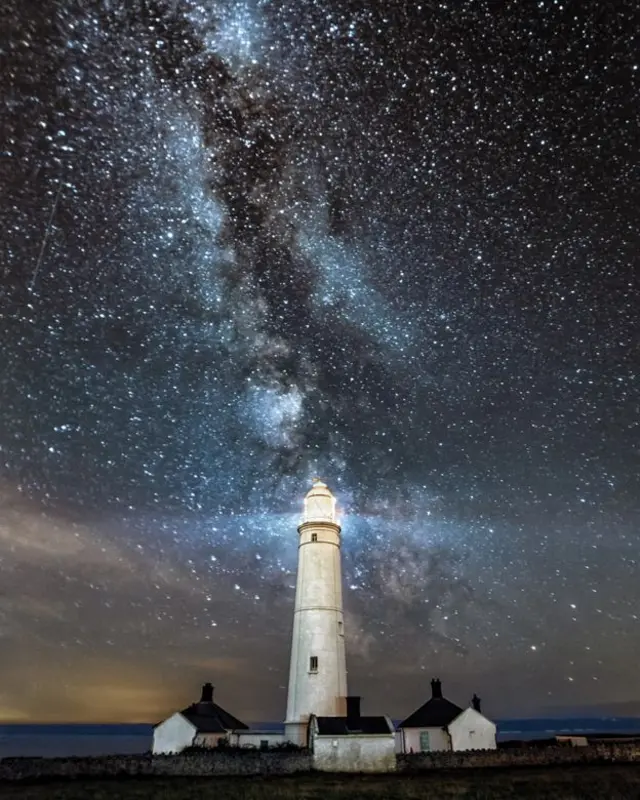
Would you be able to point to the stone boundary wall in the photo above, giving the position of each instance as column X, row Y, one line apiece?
column 522, row 757
column 256, row 762
column 246, row 762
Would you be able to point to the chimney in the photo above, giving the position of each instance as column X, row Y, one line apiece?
column 475, row 704
column 353, row 713
column 207, row 693
column 436, row 688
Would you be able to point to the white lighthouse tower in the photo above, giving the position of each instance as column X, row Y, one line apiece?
column 318, row 673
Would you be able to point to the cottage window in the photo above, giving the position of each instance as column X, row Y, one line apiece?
column 313, row 664
column 314, row 537
column 425, row 744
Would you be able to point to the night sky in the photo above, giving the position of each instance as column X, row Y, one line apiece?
column 394, row 245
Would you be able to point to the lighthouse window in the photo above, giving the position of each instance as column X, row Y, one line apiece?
column 313, row 664
column 314, row 537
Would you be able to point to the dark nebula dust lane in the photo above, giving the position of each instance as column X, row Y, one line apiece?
column 246, row 243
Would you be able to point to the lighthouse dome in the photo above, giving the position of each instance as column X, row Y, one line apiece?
column 319, row 503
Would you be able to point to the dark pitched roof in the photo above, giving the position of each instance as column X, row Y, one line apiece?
column 435, row 713
column 210, row 718
column 339, row 726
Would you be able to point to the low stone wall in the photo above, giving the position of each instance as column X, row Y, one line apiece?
column 234, row 762
column 257, row 762
column 230, row 762
column 15, row 769
column 521, row 757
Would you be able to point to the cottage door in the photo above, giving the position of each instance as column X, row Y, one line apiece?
column 425, row 747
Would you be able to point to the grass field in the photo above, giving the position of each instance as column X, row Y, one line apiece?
column 620, row 782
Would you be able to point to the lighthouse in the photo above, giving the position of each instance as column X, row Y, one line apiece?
column 318, row 672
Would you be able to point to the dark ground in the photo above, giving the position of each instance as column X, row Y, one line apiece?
column 560, row 783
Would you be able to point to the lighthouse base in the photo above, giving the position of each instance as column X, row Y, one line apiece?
column 297, row 733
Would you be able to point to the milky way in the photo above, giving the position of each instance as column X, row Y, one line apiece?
column 245, row 243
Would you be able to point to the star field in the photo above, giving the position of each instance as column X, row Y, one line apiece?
column 246, row 243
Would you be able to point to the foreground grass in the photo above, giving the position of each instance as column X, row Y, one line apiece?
column 620, row 782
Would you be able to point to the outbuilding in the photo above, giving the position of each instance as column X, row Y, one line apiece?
column 354, row 743
column 203, row 724
column 440, row 724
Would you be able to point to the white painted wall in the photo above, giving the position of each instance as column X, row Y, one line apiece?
column 355, row 753
column 318, row 623
column 209, row 739
column 438, row 739
column 173, row 735
column 472, row 731
column 255, row 738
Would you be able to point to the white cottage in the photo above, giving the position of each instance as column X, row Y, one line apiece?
column 353, row 743
column 442, row 725
column 202, row 724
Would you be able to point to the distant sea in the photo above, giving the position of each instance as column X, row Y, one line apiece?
column 95, row 740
